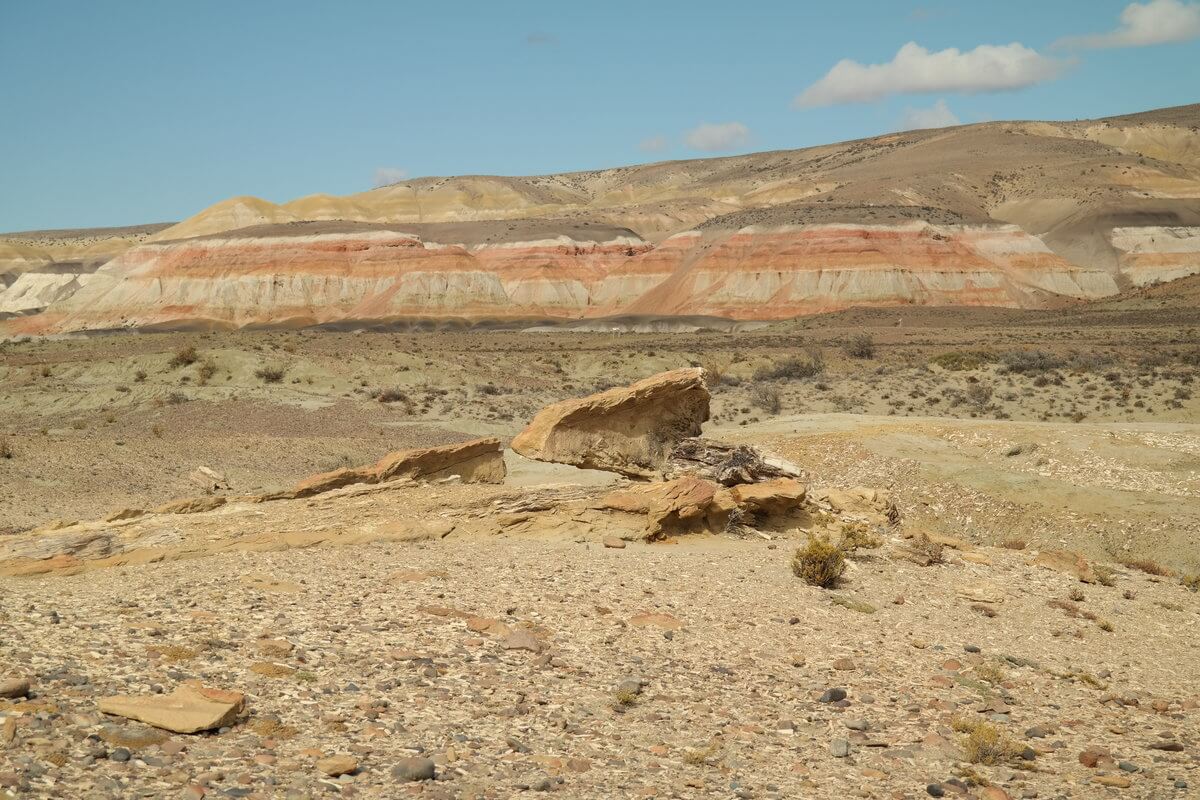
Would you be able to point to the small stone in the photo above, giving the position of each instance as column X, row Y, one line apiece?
column 857, row 724
column 840, row 748
column 1170, row 747
column 1117, row 781
column 14, row 688
column 1181, row 784
column 1037, row 732
column 1128, row 766
column 935, row 790
column 413, row 769
column 843, row 664
column 119, row 754
column 833, row 695
column 521, row 639
column 614, row 542
column 334, row 766
column 972, row 648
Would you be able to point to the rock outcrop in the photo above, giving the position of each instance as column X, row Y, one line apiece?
column 631, row 430
column 476, row 461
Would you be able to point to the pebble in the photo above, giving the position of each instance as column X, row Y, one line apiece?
column 833, row 695
column 935, row 790
column 119, row 754
column 14, row 688
column 413, row 769
column 333, row 766
column 840, row 748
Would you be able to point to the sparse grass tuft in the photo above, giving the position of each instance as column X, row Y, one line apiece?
column 6, row 449
column 270, row 374
column 184, row 357
column 857, row 536
column 624, row 698
column 819, row 563
column 987, row 744
column 860, row 346
column 1105, row 576
column 1147, row 566
column 206, row 372
column 794, row 368
column 766, row 398
column 1191, row 582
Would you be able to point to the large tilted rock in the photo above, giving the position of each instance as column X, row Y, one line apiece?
column 631, row 430
column 189, row 709
column 476, row 461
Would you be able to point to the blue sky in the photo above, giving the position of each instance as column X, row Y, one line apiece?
column 124, row 112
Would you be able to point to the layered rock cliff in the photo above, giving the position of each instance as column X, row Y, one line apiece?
column 1012, row 214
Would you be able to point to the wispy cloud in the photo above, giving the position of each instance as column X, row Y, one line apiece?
column 540, row 39
column 913, row 70
column 654, row 144
column 717, row 137
column 1142, row 24
column 385, row 176
column 938, row 115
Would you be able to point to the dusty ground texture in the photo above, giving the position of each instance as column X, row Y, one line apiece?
column 375, row 651
column 378, row 623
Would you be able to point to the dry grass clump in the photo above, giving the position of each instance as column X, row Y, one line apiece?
column 206, row 372
column 961, row 360
column 857, row 536
column 991, row 673
column 794, row 368
column 860, row 346
column 1105, row 575
column 624, row 698
column 184, row 357
column 270, row 374
column 985, row 743
column 6, row 449
column 1147, row 566
column 819, row 563
column 766, row 398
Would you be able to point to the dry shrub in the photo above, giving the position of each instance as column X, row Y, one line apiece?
column 1147, row 566
column 1105, row 575
column 794, row 367
column 766, row 398
column 986, row 744
column 857, row 536
column 819, row 563
column 270, row 374
column 1191, row 582
column 860, row 346
column 206, row 372
column 184, row 357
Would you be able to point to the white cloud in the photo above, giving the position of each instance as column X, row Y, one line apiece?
column 938, row 115
column 1155, row 22
column 713, row 138
column 654, row 144
column 389, row 175
column 987, row 68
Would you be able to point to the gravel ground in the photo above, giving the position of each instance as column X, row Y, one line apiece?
column 688, row 669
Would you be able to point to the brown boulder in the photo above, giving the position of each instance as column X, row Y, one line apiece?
column 778, row 496
column 189, row 709
column 684, row 505
column 630, row 430
column 328, row 481
column 476, row 461
column 192, row 505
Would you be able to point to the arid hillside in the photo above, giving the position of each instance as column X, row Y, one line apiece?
column 1010, row 214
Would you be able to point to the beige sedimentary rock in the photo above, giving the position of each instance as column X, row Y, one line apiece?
column 476, row 461
column 629, row 429
column 189, row 709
